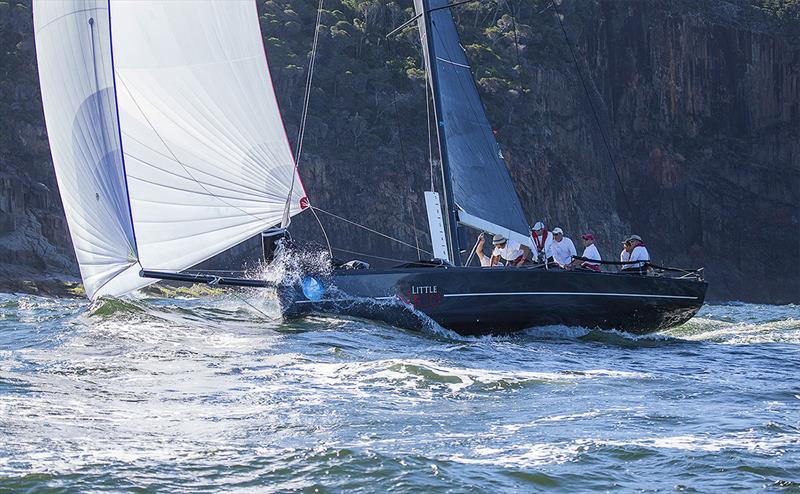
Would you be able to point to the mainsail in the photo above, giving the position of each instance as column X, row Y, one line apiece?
column 481, row 185
column 166, row 134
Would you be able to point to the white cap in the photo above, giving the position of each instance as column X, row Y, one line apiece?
column 538, row 226
column 558, row 231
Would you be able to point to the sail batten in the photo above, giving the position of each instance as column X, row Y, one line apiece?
column 481, row 184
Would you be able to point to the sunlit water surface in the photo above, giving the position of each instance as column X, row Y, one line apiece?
column 210, row 395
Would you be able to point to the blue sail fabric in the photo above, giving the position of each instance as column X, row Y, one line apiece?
column 481, row 185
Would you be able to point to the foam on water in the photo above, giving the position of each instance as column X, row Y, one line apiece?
column 208, row 394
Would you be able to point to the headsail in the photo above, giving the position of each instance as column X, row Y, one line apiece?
column 76, row 76
column 481, row 185
column 208, row 161
column 184, row 89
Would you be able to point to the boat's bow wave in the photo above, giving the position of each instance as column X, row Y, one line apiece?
column 738, row 323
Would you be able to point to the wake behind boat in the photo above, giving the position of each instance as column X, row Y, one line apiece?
column 169, row 149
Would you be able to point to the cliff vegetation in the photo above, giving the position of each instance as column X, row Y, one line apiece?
column 699, row 101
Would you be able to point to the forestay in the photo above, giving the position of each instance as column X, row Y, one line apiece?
column 481, row 185
column 76, row 76
column 183, row 88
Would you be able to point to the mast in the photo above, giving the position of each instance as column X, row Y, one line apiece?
column 447, row 183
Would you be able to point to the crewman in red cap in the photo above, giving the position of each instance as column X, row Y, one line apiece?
column 590, row 252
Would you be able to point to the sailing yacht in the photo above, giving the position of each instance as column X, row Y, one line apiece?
column 169, row 149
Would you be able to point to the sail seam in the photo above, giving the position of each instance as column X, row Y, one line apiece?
column 452, row 63
column 174, row 157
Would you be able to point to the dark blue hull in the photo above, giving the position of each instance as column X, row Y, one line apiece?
column 476, row 301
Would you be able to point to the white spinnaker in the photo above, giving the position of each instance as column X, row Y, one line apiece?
column 75, row 72
column 207, row 157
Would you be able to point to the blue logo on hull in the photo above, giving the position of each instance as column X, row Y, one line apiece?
column 313, row 289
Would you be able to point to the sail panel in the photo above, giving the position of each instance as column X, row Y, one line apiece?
column 76, row 77
column 481, row 185
column 208, row 161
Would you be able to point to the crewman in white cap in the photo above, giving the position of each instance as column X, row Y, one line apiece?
column 563, row 249
column 542, row 243
column 508, row 251
column 638, row 253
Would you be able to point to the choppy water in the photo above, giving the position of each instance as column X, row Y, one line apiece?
column 207, row 395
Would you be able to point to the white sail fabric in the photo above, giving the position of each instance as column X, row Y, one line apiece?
column 76, row 76
column 207, row 157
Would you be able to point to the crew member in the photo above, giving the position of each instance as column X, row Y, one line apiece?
column 508, row 251
column 639, row 254
column 589, row 252
column 542, row 243
column 625, row 255
column 563, row 249
column 486, row 261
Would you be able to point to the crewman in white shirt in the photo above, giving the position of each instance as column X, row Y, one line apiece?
column 589, row 252
column 625, row 255
column 563, row 249
column 542, row 243
column 638, row 253
column 508, row 251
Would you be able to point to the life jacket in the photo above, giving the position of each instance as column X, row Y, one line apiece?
column 538, row 241
column 589, row 265
column 637, row 265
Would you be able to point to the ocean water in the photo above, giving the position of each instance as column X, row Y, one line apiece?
column 212, row 395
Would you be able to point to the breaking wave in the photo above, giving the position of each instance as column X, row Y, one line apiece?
column 159, row 393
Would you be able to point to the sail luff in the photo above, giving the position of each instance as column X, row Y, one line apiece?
column 481, row 183
column 119, row 130
column 451, row 216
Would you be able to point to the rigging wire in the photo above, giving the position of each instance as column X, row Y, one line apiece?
column 324, row 233
column 591, row 104
column 376, row 232
column 393, row 259
column 237, row 295
column 301, row 133
column 428, row 122
column 516, row 44
column 405, row 164
column 309, row 82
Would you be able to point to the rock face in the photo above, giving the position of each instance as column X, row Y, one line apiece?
column 34, row 240
column 698, row 101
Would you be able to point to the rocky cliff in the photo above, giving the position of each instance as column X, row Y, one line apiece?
column 699, row 102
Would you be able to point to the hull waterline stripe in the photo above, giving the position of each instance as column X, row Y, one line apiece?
column 579, row 294
column 507, row 294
